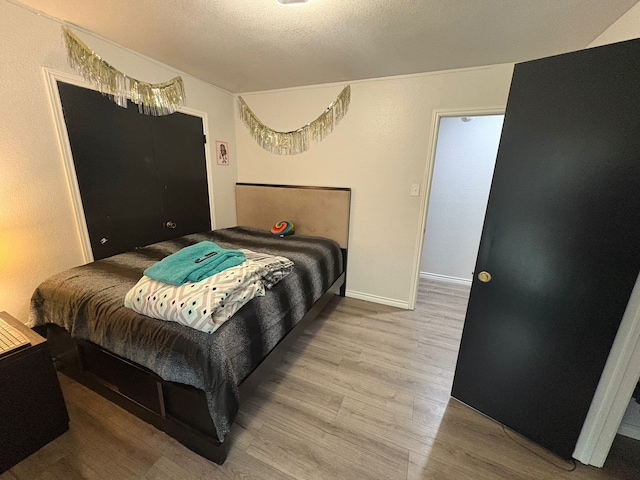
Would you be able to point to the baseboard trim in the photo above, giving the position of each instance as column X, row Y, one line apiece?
column 445, row 278
column 628, row 430
column 376, row 299
column 630, row 424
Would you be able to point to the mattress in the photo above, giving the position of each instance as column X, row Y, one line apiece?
column 88, row 301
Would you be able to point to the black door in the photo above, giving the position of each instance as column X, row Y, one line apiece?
column 181, row 166
column 142, row 179
column 561, row 241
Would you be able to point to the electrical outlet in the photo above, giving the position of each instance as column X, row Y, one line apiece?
column 415, row 189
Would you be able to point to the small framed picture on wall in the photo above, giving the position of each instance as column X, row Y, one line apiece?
column 222, row 152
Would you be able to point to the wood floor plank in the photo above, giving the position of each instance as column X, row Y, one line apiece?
column 111, row 454
column 305, row 459
column 69, row 468
column 353, row 385
column 427, row 321
column 299, row 419
column 456, row 463
column 325, row 403
column 328, row 354
column 245, row 428
column 412, row 365
column 344, row 347
column 241, row 465
column 383, row 326
column 386, row 426
column 288, row 415
column 395, row 378
column 165, row 469
column 431, row 351
column 435, row 392
column 448, row 347
column 428, row 410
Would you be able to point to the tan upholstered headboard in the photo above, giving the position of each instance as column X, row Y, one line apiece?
column 314, row 211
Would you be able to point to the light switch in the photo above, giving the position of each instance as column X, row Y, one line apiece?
column 415, row 189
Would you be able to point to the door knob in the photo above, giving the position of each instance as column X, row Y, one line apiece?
column 170, row 224
column 484, row 277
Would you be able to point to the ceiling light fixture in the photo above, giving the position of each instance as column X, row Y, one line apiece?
column 292, row 2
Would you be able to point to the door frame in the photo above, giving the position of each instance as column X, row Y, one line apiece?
column 51, row 78
column 622, row 369
column 614, row 390
column 428, row 178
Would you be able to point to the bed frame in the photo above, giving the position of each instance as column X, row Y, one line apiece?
column 181, row 410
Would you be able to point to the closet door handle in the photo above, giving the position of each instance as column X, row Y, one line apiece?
column 170, row 224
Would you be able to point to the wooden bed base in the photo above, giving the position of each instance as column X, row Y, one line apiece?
column 177, row 409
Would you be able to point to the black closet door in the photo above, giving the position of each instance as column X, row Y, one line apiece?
column 136, row 173
column 561, row 241
column 178, row 145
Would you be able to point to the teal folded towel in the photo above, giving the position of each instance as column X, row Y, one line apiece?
column 194, row 263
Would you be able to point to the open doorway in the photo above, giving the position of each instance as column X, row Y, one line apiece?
column 465, row 155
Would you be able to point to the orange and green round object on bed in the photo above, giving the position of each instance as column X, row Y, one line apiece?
column 283, row 228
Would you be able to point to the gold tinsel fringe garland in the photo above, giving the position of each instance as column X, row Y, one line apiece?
column 296, row 141
column 152, row 98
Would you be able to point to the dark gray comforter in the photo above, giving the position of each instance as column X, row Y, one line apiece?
column 88, row 302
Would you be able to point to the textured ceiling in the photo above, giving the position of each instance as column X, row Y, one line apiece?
column 254, row 45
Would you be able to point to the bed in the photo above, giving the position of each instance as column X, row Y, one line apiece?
column 186, row 382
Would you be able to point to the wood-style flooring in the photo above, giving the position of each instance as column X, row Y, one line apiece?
column 364, row 395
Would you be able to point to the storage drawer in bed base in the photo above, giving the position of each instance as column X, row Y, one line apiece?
column 175, row 401
column 179, row 410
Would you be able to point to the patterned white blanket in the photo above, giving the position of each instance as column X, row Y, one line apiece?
column 207, row 304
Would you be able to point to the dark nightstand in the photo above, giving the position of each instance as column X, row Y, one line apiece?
column 32, row 409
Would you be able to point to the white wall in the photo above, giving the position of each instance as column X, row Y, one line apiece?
column 38, row 233
column 626, row 27
column 379, row 149
column 465, row 157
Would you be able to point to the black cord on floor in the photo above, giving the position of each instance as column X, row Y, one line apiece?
column 538, row 455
